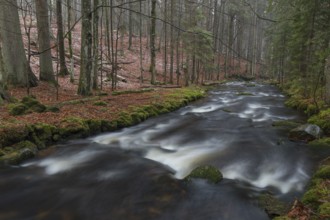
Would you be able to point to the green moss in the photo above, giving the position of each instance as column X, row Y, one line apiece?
column 38, row 107
column 302, row 104
column 322, row 120
column 273, row 206
column 52, row 109
column 29, row 101
column 324, row 209
column 282, row 218
column 108, row 125
column 27, row 105
column 19, row 152
column 250, row 85
column 321, row 144
column 100, row 103
column 209, row 173
column 150, row 110
column 286, row 124
column 13, row 134
column 317, row 194
column 95, row 126
column 73, row 126
column 323, row 172
column 42, row 134
column 17, row 109
column 124, row 120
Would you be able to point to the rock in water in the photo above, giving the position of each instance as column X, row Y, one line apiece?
column 306, row 132
column 209, row 173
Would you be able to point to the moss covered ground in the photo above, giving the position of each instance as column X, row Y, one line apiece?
column 22, row 135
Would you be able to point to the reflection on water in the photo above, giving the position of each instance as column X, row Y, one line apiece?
column 136, row 173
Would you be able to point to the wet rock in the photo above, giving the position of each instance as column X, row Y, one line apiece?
column 306, row 132
column 272, row 206
column 209, row 173
column 286, row 124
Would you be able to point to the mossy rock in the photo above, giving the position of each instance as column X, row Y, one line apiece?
column 287, row 124
column 17, row 109
column 21, row 151
column 273, row 206
column 250, row 85
column 42, row 134
column 28, row 105
column 73, row 126
column 38, row 107
column 12, row 135
column 209, row 173
column 322, row 119
column 30, row 101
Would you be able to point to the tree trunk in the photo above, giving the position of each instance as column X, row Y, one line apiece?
column 68, row 2
column 3, row 93
column 152, row 42
column 84, row 87
column 46, row 65
column 60, row 38
column 165, row 42
column 95, row 43
column 327, row 83
column 17, row 69
column 130, row 26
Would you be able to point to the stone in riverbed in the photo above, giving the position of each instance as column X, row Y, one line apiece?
column 209, row 173
column 306, row 132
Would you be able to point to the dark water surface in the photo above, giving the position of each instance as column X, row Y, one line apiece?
column 136, row 173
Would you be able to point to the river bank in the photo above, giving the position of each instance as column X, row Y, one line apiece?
column 315, row 203
column 25, row 129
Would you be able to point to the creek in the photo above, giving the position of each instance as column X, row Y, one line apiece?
column 136, row 173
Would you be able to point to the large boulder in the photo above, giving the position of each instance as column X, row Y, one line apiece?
column 306, row 133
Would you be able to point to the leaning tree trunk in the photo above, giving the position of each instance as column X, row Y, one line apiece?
column 18, row 71
column 46, row 65
column 84, row 87
column 60, row 38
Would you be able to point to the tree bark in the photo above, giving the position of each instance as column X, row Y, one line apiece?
column 17, row 69
column 60, row 38
column 3, row 93
column 327, row 83
column 152, row 42
column 84, row 87
column 95, row 43
column 46, row 65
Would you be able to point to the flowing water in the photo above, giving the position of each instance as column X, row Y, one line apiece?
column 136, row 173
